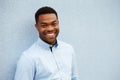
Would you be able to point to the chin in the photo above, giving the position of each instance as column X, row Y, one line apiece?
column 51, row 42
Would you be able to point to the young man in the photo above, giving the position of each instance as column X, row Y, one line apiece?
column 48, row 58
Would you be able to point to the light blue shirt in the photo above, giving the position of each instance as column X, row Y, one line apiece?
column 39, row 62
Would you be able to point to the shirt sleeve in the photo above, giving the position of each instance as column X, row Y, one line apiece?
column 25, row 69
column 75, row 74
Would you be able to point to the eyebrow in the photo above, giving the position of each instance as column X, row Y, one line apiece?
column 48, row 23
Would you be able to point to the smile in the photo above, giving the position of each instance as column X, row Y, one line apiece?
column 51, row 35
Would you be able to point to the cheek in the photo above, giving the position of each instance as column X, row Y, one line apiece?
column 40, row 30
column 57, row 29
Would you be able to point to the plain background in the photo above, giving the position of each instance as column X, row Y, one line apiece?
column 91, row 26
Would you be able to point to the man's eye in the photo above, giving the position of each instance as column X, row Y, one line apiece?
column 43, row 25
column 54, row 24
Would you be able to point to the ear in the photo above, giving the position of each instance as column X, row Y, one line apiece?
column 58, row 22
column 36, row 26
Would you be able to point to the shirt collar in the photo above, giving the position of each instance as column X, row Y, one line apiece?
column 46, row 45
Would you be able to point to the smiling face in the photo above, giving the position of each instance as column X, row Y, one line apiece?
column 48, row 28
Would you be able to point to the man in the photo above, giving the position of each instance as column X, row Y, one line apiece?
column 48, row 58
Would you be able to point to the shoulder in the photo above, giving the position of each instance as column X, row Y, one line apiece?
column 62, row 43
column 65, row 45
column 30, row 52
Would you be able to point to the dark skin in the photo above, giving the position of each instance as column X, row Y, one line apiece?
column 48, row 28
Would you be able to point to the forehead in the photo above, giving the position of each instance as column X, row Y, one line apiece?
column 47, row 18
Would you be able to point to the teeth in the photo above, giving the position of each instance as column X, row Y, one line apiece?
column 50, row 34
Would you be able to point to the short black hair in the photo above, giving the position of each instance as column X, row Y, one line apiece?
column 44, row 10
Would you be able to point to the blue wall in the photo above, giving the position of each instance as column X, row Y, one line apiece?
column 91, row 26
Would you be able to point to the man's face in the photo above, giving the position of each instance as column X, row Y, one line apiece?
column 48, row 28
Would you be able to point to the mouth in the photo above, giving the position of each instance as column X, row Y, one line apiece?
column 50, row 35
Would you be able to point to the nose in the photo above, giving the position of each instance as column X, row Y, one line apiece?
column 50, row 28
